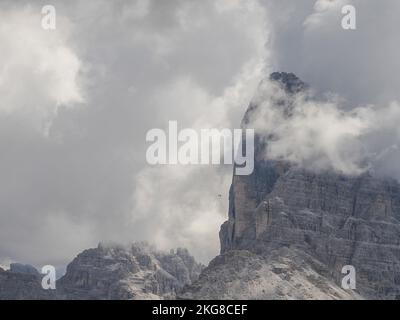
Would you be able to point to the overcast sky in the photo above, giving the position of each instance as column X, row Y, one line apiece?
column 76, row 104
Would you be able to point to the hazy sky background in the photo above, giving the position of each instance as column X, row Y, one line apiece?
column 76, row 104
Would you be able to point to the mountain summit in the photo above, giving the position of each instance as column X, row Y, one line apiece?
column 289, row 81
column 291, row 231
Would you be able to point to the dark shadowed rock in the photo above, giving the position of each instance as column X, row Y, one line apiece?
column 289, row 82
column 20, row 283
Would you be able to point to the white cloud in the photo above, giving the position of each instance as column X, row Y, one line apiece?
column 39, row 70
column 5, row 263
column 322, row 135
column 145, row 63
column 183, row 201
column 325, row 13
column 180, row 206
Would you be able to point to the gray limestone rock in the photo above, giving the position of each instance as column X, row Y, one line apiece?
column 108, row 272
column 119, row 273
column 336, row 219
column 280, row 274
column 20, row 283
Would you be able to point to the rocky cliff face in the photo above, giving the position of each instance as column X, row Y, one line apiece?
column 22, row 282
column 336, row 219
column 137, row 272
column 284, row 274
column 108, row 272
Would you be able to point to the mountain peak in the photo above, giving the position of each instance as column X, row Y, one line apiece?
column 289, row 81
column 23, row 269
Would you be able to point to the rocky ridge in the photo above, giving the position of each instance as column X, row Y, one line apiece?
column 119, row 273
column 22, row 282
column 282, row 274
column 111, row 272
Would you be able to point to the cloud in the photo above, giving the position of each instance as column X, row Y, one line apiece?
column 77, row 103
column 321, row 134
column 39, row 70
column 325, row 10
column 361, row 65
column 136, row 65
column 194, row 219
column 181, row 204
